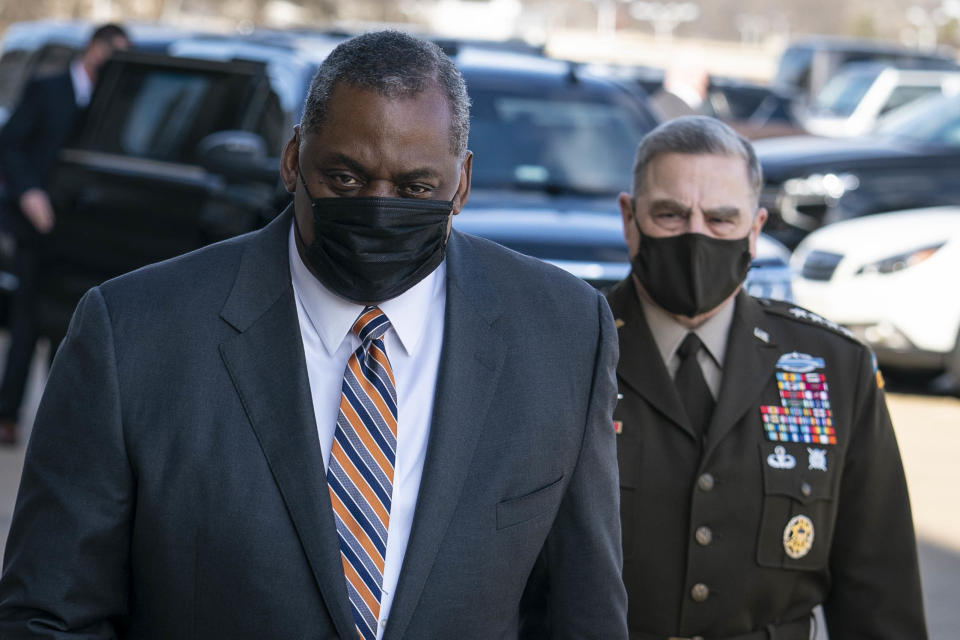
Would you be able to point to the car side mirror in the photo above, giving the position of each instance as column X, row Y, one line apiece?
column 238, row 156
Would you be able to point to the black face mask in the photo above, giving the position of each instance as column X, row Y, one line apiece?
column 372, row 249
column 691, row 273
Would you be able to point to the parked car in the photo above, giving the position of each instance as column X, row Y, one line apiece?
column 852, row 102
column 182, row 149
column 888, row 279
column 806, row 65
column 912, row 160
column 754, row 110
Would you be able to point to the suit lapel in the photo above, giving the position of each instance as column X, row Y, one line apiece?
column 641, row 366
column 267, row 366
column 749, row 363
column 470, row 367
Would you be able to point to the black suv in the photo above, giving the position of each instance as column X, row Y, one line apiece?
column 180, row 150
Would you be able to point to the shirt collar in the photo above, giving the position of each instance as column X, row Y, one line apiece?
column 332, row 316
column 668, row 333
column 82, row 85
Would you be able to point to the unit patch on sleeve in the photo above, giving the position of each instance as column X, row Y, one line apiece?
column 803, row 414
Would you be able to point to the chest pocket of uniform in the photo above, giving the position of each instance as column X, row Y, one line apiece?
column 799, row 504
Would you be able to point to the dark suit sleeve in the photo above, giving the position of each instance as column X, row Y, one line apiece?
column 16, row 166
column 66, row 566
column 577, row 582
column 873, row 561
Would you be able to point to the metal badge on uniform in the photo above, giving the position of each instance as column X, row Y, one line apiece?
column 798, row 536
column 816, row 459
column 803, row 414
column 761, row 335
column 780, row 459
column 618, row 426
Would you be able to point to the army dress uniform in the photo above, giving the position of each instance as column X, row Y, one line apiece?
column 795, row 496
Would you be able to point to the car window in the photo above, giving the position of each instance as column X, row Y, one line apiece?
column 934, row 119
column 162, row 113
column 794, row 67
column 842, row 93
column 904, row 94
column 561, row 143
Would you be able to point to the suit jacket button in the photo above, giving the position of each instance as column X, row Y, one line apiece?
column 700, row 592
column 806, row 489
column 705, row 482
column 704, row 536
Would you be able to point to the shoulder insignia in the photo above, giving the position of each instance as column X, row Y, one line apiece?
column 792, row 311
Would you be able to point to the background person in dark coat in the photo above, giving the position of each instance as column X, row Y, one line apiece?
column 29, row 143
column 759, row 471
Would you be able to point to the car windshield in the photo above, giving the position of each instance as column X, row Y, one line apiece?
column 841, row 95
column 564, row 144
column 935, row 120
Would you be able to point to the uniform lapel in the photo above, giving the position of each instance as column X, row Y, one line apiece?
column 267, row 366
column 470, row 365
column 748, row 365
column 641, row 366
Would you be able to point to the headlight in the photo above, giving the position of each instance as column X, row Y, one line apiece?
column 832, row 185
column 900, row 261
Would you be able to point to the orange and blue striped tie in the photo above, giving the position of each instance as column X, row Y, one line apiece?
column 360, row 470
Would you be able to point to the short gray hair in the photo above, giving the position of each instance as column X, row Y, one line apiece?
column 395, row 65
column 696, row 135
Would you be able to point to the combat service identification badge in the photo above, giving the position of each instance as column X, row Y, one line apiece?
column 798, row 537
column 803, row 414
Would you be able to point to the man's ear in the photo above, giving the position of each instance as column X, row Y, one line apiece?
column 463, row 189
column 628, row 213
column 759, row 219
column 290, row 161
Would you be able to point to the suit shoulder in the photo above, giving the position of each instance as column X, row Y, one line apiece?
column 196, row 272
column 797, row 315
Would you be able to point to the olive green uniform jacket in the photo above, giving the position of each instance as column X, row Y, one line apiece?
column 743, row 533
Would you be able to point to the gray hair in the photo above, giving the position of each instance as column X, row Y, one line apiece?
column 696, row 135
column 395, row 65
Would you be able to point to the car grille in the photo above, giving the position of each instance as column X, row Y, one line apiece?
column 820, row 265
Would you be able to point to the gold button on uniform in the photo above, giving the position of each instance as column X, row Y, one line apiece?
column 705, row 482
column 700, row 592
column 704, row 536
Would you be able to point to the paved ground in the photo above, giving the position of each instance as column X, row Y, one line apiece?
column 928, row 429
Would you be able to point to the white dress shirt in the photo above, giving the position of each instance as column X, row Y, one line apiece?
column 82, row 84
column 413, row 346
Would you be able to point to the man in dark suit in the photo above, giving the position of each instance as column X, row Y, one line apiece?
column 29, row 143
column 353, row 422
column 759, row 471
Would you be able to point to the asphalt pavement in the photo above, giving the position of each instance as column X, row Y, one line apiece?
column 928, row 430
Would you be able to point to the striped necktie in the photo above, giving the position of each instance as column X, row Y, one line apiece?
column 360, row 469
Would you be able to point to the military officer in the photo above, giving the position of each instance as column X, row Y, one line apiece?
column 759, row 472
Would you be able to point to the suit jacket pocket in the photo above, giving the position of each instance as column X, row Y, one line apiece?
column 799, row 505
column 514, row 511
